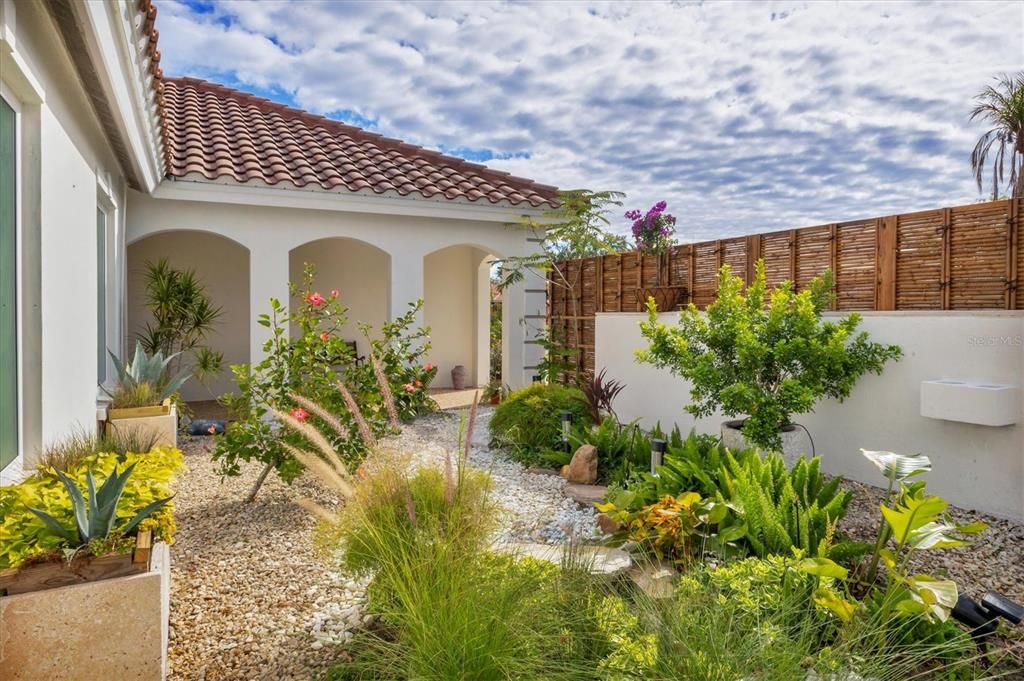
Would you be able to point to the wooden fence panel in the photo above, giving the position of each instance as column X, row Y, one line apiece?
column 961, row 258
column 855, row 265
column 919, row 261
column 979, row 241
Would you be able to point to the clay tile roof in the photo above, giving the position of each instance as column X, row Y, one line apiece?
column 215, row 132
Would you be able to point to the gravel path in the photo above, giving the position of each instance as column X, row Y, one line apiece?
column 252, row 599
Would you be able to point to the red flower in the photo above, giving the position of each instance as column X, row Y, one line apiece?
column 419, row 384
column 315, row 299
column 334, row 293
column 409, row 388
column 428, row 367
column 325, row 336
column 300, row 414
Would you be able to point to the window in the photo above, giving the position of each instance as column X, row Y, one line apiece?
column 101, row 296
column 8, row 286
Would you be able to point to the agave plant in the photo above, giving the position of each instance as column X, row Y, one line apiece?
column 145, row 369
column 96, row 518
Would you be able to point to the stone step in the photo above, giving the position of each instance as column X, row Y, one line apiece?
column 603, row 560
column 585, row 495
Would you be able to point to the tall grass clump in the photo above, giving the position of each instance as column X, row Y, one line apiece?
column 70, row 451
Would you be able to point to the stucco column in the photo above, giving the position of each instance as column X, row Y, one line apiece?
column 268, row 278
column 406, row 283
column 482, row 300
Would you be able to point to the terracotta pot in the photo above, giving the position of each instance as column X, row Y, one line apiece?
column 459, row 377
column 665, row 297
column 495, row 399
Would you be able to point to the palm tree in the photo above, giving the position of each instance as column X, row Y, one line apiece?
column 1001, row 106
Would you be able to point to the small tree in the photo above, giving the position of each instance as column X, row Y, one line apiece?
column 578, row 228
column 766, row 355
column 183, row 315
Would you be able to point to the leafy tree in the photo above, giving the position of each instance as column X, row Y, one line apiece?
column 1002, row 107
column 578, row 228
column 767, row 355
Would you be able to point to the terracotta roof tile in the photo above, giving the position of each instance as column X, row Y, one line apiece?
column 218, row 132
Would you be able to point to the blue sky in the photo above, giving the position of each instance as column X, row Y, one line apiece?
column 743, row 116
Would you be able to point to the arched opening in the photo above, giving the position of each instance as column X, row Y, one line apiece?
column 457, row 308
column 360, row 272
column 222, row 266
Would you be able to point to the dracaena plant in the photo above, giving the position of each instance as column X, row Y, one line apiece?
column 764, row 354
column 95, row 511
column 601, row 393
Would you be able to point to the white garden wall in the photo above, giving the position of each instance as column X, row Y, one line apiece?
column 978, row 467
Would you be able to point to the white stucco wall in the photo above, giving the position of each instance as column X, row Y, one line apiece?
column 66, row 166
column 220, row 264
column 358, row 271
column 973, row 466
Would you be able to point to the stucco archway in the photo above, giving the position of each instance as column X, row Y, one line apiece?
column 223, row 266
column 457, row 304
column 359, row 271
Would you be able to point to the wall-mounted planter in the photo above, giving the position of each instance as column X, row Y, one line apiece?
column 160, row 422
column 983, row 404
column 110, row 629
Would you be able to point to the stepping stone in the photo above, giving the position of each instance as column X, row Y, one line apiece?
column 654, row 579
column 585, row 495
column 603, row 560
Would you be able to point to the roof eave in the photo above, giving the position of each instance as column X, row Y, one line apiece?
column 316, row 198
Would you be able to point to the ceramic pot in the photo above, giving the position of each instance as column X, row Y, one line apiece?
column 459, row 377
column 795, row 442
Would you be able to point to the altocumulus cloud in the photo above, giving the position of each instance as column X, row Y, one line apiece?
column 743, row 116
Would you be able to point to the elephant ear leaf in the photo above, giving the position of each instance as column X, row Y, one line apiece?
column 144, row 513
column 898, row 467
column 58, row 529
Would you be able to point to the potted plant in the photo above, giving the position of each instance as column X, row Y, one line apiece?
column 764, row 356
column 493, row 393
column 88, row 544
column 141, row 400
column 653, row 235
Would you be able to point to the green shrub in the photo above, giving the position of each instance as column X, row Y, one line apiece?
column 528, row 420
column 764, row 354
column 309, row 361
column 24, row 536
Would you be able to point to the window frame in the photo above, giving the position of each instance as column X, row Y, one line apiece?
column 16, row 105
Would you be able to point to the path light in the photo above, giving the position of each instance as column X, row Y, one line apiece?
column 982, row 618
column 657, row 454
column 536, row 378
column 566, row 417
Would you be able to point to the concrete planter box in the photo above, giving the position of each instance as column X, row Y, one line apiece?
column 983, row 404
column 160, row 422
column 109, row 629
column 795, row 442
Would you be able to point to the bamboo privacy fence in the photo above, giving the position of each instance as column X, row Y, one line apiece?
column 959, row 258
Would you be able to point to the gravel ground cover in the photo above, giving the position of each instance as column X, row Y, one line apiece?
column 251, row 598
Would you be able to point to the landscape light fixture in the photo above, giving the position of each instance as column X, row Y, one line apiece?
column 658, row 447
column 536, row 378
column 982, row 618
column 566, row 417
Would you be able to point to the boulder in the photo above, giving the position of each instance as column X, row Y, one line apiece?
column 607, row 525
column 583, row 467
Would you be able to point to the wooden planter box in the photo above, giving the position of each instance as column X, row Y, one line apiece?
column 110, row 627
column 60, row 573
column 160, row 421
